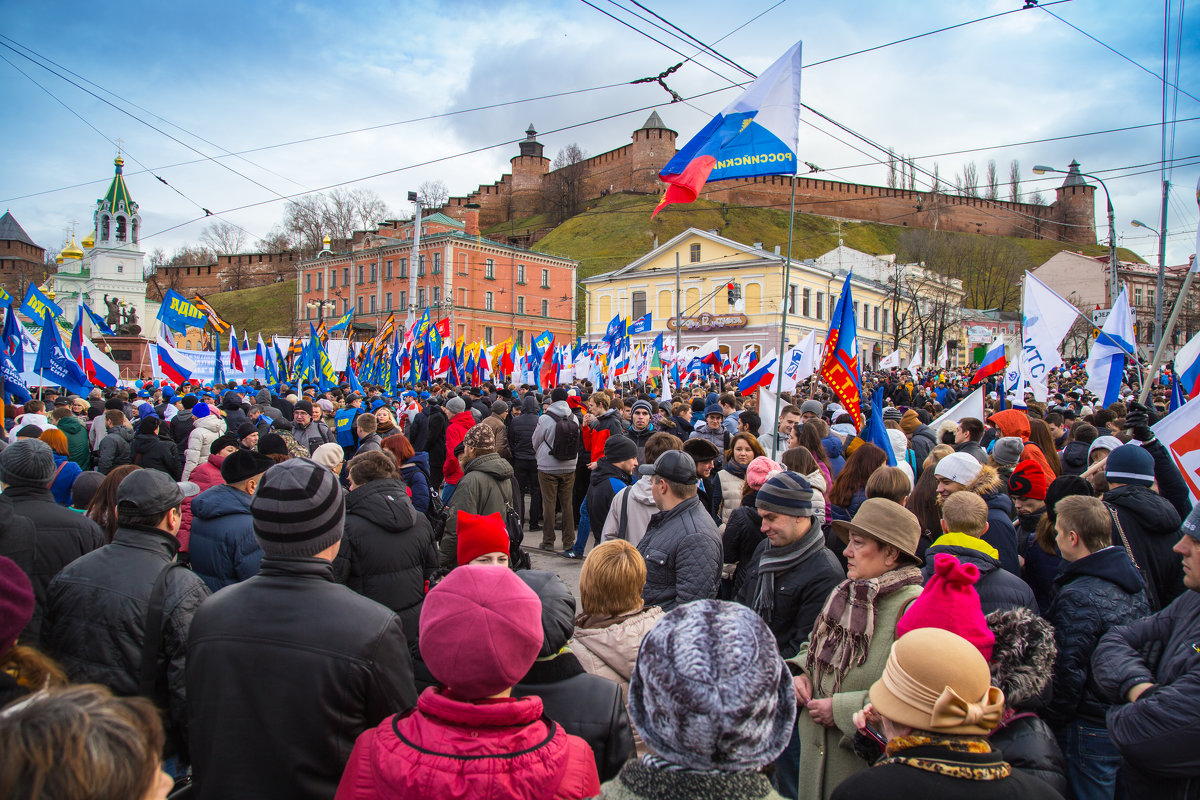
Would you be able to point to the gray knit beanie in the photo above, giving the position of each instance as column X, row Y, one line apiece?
column 709, row 690
column 787, row 493
column 456, row 405
column 27, row 462
column 298, row 509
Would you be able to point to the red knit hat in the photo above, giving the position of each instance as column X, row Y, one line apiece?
column 1028, row 480
column 479, row 535
column 951, row 603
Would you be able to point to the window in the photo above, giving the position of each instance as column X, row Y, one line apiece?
column 387, row 301
column 820, row 305
column 694, row 254
column 320, row 280
column 421, row 266
column 806, row 302
column 360, row 304
column 374, row 271
column 387, row 271
column 876, row 318
column 791, row 298
column 521, row 304
column 521, row 274
column 487, row 336
column 489, row 269
column 421, row 297
column 487, row 301
column 520, row 339
column 462, row 298
column 866, row 317
column 437, row 295
column 1137, row 296
column 437, row 263
column 545, row 279
column 360, row 274
column 462, row 263
column 404, row 268
column 545, row 308
column 1150, row 297
column 403, row 301
column 120, row 267
column 345, row 276
column 307, row 281
column 373, row 304
column 638, row 303
column 885, row 321
column 345, row 304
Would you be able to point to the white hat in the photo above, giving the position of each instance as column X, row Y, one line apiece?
column 959, row 467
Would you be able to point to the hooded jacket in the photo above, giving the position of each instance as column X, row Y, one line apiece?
column 221, row 543
column 638, row 510
column 1095, row 594
column 78, row 449
column 833, row 451
column 608, row 646
column 388, row 550
column 1150, row 525
column 683, row 556
column 153, row 451
column 922, row 441
column 506, row 749
column 485, row 488
column 456, row 431
column 1159, row 735
column 114, row 448
column 543, row 438
column 998, row 588
column 235, row 415
column 1000, row 533
column 594, row 436
column 601, row 490
column 204, row 433
column 181, row 430
column 1074, row 458
column 523, row 426
column 1011, row 422
column 415, row 472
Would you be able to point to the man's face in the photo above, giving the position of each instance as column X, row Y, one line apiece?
column 947, row 487
column 627, row 466
column 302, row 418
column 1189, row 549
column 254, row 414
column 961, row 435
column 714, row 421
column 641, row 419
column 807, row 415
column 787, row 422
column 782, row 530
column 704, row 468
column 251, row 441
column 1029, row 505
column 626, row 413
column 1057, row 431
column 595, row 409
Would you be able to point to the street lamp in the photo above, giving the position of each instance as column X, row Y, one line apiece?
column 1112, row 225
column 1162, row 271
column 321, row 306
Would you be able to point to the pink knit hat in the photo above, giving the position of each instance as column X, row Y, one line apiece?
column 480, row 631
column 760, row 471
column 950, row 602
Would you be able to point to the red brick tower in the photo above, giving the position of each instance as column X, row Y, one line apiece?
column 1075, row 208
column 653, row 147
column 528, row 170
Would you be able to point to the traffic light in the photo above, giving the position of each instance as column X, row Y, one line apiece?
column 735, row 292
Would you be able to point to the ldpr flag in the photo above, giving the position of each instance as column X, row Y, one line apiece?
column 178, row 314
column 756, row 134
column 840, row 368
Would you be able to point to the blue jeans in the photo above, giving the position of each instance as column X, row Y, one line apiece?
column 448, row 492
column 1093, row 763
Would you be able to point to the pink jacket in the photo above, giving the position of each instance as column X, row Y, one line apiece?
column 206, row 476
column 454, row 750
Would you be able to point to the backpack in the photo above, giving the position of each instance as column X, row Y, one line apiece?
column 566, row 439
column 343, row 423
column 437, row 514
column 517, row 558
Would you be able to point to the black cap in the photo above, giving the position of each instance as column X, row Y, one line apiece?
column 148, row 491
column 701, row 450
column 619, row 448
column 673, row 465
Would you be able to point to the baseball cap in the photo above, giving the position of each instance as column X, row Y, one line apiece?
column 673, row 465
column 146, row 492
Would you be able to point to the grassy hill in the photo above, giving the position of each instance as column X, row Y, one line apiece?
column 264, row 309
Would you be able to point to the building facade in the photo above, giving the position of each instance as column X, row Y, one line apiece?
column 22, row 261
column 490, row 291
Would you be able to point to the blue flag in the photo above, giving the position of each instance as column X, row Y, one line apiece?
column 14, row 340
column 97, row 320
column 642, row 325
column 14, row 387
column 6, row 300
column 351, row 376
column 178, row 314
column 218, row 368
column 37, row 306
column 1177, row 398
column 874, row 432
column 55, row 364
column 343, row 321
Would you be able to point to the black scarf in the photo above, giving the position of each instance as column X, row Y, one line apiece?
column 735, row 469
column 776, row 560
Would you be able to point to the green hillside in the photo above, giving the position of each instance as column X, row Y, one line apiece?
column 264, row 309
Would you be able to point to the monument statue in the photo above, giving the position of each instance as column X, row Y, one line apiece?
column 114, row 310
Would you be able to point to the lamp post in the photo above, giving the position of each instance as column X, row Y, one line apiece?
column 321, row 306
column 1159, row 299
column 1112, row 228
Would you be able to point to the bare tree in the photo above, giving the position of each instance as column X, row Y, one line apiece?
column 433, row 194
column 565, row 189
column 338, row 214
column 892, row 170
column 992, row 190
column 277, row 240
column 912, row 174
column 1014, row 181
column 990, row 268
column 224, row 237
column 967, row 182
column 190, row 255
column 303, row 218
column 1037, row 199
column 1079, row 338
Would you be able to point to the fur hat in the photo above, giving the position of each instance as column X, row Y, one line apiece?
column 558, row 609
column 1022, row 661
column 479, row 535
column 951, row 602
column 709, row 690
column 480, row 631
column 242, row 464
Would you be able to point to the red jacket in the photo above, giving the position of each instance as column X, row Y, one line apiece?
column 455, row 431
column 206, row 475
column 454, row 750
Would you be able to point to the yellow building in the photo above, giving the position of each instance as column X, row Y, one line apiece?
column 707, row 264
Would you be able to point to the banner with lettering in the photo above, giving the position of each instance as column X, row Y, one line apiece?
column 178, row 314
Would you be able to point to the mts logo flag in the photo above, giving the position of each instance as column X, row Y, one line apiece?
column 1180, row 433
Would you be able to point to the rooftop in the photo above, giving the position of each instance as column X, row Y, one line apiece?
column 11, row 230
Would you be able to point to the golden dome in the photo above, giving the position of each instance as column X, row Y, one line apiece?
column 89, row 241
column 59, row 259
column 72, row 251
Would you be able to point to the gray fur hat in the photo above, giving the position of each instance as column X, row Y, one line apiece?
column 709, row 690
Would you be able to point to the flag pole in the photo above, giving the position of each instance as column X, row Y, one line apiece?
column 1159, row 351
column 787, row 279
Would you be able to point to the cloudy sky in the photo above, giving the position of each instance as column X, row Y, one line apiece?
column 238, row 105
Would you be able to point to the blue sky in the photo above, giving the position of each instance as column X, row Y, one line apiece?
column 251, row 75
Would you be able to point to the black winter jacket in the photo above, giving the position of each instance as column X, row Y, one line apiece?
column 1171, row 485
column 600, row 491
column 418, row 431
column 520, row 434
column 61, row 536
column 800, row 593
column 149, row 451
column 1074, row 458
column 1151, row 528
column 95, row 622
column 1159, row 735
column 1029, row 746
column 285, row 670
column 388, row 550
column 437, row 448
column 16, row 537
column 1095, row 594
column 923, row 440
column 683, row 556
column 998, row 588
column 586, row 706
column 114, row 449
column 742, row 535
column 182, row 426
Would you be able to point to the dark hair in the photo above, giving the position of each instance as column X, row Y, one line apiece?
column 862, row 462
column 372, row 466
column 102, row 509
column 810, row 437
column 973, row 427
column 890, row 483
column 659, row 443
column 1055, row 418
column 1039, row 434
column 752, row 420
column 1082, row 432
column 799, row 459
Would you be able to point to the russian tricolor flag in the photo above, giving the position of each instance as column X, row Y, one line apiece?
column 175, row 366
column 994, row 362
column 756, row 134
column 760, row 376
column 709, row 353
column 1187, row 367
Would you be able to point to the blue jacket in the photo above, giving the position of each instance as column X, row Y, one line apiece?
column 61, row 488
column 416, row 477
column 222, row 545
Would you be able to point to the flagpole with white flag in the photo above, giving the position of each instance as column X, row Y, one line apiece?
column 1148, row 380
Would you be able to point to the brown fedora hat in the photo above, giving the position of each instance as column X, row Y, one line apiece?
column 885, row 521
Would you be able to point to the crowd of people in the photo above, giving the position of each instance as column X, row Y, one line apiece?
column 248, row 591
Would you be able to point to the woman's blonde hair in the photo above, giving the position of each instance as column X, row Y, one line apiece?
column 612, row 579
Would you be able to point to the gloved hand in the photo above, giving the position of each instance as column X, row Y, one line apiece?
column 1137, row 422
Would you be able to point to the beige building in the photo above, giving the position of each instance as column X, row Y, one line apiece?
column 707, row 264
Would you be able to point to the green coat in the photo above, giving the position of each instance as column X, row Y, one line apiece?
column 485, row 488
column 826, row 755
column 79, row 449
